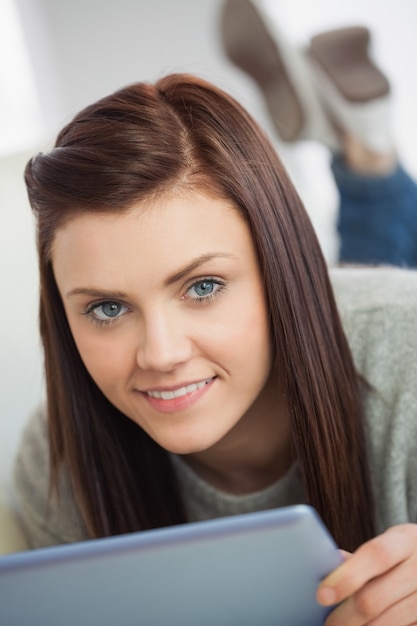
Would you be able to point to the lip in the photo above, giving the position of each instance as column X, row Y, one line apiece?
column 179, row 397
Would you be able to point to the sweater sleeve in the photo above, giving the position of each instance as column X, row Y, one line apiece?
column 46, row 520
column 379, row 312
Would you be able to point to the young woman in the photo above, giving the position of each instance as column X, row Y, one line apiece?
column 196, row 364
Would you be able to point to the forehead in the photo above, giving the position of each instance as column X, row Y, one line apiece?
column 177, row 213
column 174, row 228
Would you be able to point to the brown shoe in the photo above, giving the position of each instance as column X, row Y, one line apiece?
column 353, row 89
column 255, row 44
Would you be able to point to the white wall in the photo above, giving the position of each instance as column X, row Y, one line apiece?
column 83, row 49
column 20, row 379
column 98, row 46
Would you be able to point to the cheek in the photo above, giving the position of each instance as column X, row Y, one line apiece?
column 254, row 342
column 107, row 357
column 241, row 336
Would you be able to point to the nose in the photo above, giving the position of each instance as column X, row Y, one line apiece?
column 163, row 344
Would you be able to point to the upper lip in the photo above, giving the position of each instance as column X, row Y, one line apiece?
column 178, row 386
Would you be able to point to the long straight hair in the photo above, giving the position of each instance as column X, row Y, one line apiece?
column 129, row 147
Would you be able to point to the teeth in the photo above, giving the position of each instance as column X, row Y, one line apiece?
column 177, row 393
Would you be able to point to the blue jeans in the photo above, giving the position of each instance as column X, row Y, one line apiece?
column 377, row 221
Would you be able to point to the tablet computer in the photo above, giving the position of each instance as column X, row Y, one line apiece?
column 258, row 569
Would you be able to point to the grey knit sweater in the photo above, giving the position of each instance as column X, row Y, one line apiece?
column 379, row 313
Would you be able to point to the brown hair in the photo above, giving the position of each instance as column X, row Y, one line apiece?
column 128, row 147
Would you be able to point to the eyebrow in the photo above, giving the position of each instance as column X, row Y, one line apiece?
column 97, row 293
column 182, row 273
column 195, row 264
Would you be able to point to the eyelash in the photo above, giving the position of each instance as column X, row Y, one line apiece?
column 208, row 299
column 89, row 312
column 220, row 286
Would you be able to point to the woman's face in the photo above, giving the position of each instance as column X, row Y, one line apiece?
column 166, row 306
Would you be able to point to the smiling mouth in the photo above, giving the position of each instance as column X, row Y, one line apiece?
column 178, row 393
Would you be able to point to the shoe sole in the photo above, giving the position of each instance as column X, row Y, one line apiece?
column 254, row 43
column 251, row 47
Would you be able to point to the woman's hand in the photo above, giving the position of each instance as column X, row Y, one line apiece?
column 377, row 585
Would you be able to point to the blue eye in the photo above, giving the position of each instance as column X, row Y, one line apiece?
column 205, row 289
column 107, row 311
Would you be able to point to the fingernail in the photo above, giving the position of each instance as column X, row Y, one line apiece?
column 326, row 596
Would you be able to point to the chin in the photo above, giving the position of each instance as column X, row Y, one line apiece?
column 186, row 446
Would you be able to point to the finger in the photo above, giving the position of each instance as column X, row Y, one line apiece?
column 379, row 597
column 403, row 613
column 371, row 560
